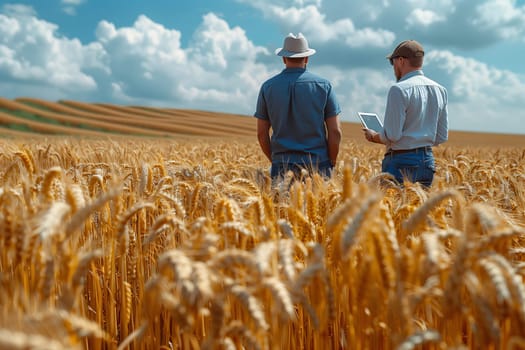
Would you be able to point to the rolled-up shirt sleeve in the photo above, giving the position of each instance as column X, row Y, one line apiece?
column 395, row 115
column 332, row 107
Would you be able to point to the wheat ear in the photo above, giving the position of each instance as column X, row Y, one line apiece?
column 230, row 258
column 75, row 197
column 81, row 215
column 285, row 228
column 51, row 221
column 254, row 307
column 350, row 232
column 417, row 217
column 420, row 338
column 55, row 173
column 133, row 210
column 95, row 180
column 281, row 294
column 485, row 319
column 27, row 161
column 496, row 276
column 12, row 340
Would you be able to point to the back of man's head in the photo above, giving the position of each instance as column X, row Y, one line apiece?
column 411, row 50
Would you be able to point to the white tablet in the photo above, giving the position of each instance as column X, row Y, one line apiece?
column 370, row 121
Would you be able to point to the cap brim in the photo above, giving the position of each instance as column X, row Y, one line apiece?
column 291, row 54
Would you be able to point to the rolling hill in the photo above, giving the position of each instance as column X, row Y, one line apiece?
column 32, row 117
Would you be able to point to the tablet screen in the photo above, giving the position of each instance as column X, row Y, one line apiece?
column 371, row 121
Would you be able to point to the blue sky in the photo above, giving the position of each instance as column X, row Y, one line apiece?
column 214, row 55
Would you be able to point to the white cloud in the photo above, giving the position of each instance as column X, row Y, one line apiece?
column 32, row 52
column 70, row 10
column 358, row 90
column 444, row 23
column 70, row 6
column 18, row 10
column 425, row 18
column 216, row 71
column 501, row 16
column 72, row 2
column 473, row 81
column 317, row 27
column 481, row 97
column 216, row 46
column 144, row 63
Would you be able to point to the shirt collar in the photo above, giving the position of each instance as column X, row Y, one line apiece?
column 411, row 74
column 294, row 70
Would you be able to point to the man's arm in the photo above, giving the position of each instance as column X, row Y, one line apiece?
column 334, row 134
column 442, row 127
column 263, row 135
column 395, row 115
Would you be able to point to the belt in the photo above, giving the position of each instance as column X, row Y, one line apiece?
column 392, row 152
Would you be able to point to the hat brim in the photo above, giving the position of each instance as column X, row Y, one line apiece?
column 285, row 53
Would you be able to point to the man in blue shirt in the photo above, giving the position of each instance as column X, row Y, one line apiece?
column 416, row 118
column 303, row 113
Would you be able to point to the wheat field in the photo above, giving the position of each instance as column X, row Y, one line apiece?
column 183, row 243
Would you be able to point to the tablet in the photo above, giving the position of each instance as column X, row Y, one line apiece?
column 370, row 121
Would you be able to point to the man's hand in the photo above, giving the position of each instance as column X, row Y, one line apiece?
column 371, row 135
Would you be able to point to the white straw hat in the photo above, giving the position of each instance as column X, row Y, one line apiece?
column 295, row 46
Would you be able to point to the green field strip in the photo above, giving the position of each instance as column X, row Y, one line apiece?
column 34, row 105
column 29, row 116
column 7, row 131
column 110, row 126
column 35, row 126
column 50, row 110
column 39, row 118
column 16, row 127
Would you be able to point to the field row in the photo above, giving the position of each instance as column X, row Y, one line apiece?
column 31, row 115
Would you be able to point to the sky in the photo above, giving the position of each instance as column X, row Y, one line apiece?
column 215, row 54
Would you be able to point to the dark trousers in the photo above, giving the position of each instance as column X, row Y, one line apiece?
column 412, row 165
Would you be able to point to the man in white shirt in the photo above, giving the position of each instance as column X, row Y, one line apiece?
column 416, row 118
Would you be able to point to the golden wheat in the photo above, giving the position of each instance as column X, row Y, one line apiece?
column 161, row 244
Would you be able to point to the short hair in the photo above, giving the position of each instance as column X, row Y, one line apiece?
column 295, row 59
column 416, row 61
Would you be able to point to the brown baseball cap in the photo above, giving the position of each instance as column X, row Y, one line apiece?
column 408, row 49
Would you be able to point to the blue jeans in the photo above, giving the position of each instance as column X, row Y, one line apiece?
column 279, row 169
column 415, row 166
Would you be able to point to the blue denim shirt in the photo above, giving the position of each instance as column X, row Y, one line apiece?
column 297, row 102
column 416, row 113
